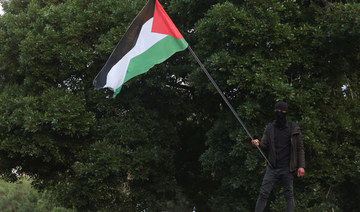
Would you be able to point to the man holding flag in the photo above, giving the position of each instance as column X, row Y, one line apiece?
column 283, row 142
column 151, row 39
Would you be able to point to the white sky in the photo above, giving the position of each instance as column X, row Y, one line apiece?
column 1, row 10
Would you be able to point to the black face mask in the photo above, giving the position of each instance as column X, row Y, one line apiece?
column 280, row 119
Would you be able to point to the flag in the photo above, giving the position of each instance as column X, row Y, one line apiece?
column 151, row 39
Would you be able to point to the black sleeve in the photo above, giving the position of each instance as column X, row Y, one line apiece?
column 264, row 143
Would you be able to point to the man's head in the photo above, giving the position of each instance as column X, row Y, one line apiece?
column 281, row 109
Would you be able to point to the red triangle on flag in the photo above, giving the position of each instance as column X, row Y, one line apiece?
column 163, row 24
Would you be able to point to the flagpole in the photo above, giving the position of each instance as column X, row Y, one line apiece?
column 225, row 99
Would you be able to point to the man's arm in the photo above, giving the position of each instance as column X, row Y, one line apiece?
column 264, row 140
column 301, row 156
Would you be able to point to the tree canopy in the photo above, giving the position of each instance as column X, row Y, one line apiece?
column 22, row 197
column 168, row 141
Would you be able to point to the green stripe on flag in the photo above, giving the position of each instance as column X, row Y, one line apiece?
column 156, row 54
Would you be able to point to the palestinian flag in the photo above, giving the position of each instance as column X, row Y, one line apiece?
column 151, row 39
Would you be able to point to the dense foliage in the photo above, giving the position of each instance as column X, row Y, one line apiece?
column 168, row 141
column 21, row 197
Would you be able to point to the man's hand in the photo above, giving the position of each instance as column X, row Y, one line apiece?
column 255, row 142
column 301, row 172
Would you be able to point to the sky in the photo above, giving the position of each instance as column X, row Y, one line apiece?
column 1, row 10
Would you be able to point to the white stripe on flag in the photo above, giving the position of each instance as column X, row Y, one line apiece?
column 146, row 39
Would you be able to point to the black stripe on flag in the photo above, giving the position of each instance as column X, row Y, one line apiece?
column 126, row 43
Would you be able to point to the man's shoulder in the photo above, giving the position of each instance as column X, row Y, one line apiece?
column 270, row 125
column 292, row 124
column 294, row 127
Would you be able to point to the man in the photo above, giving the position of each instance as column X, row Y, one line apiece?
column 283, row 142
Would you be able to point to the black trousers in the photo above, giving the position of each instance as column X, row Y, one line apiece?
column 286, row 178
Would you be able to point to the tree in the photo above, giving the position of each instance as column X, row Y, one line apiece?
column 304, row 54
column 85, row 148
column 168, row 139
column 21, row 197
